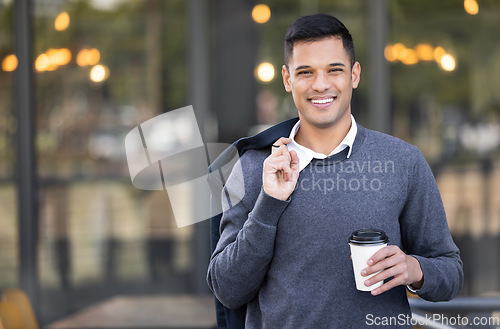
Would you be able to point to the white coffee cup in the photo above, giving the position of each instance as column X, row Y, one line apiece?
column 364, row 244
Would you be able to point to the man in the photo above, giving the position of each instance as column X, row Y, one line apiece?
column 283, row 252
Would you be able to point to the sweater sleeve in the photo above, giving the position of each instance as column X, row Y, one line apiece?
column 426, row 235
column 248, row 228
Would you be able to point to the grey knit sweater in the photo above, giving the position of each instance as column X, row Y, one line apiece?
column 289, row 260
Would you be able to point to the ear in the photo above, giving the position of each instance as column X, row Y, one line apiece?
column 286, row 78
column 355, row 75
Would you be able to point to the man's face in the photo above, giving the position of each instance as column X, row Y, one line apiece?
column 321, row 80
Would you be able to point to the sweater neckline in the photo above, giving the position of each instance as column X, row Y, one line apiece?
column 342, row 156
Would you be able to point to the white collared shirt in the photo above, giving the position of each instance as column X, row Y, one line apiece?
column 306, row 155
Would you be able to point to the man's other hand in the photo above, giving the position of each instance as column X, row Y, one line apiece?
column 393, row 262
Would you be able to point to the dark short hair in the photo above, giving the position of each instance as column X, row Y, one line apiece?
column 316, row 27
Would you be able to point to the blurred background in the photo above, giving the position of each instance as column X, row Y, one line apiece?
column 77, row 75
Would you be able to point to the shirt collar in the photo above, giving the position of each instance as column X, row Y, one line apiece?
column 306, row 155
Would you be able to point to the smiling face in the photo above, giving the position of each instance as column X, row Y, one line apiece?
column 321, row 81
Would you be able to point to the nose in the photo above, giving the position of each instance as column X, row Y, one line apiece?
column 321, row 82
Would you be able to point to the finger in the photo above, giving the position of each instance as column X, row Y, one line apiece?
column 283, row 140
column 383, row 288
column 281, row 153
column 383, row 254
column 279, row 150
column 294, row 161
column 278, row 163
column 276, row 158
column 398, row 272
column 384, row 264
column 277, row 145
column 396, row 281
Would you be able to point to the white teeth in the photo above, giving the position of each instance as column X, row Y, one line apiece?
column 321, row 101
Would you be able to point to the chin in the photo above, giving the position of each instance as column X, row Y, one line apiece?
column 324, row 123
column 327, row 120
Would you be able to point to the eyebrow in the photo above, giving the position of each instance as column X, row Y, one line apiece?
column 301, row 67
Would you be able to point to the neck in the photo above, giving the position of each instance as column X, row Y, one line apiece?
column 323, row 139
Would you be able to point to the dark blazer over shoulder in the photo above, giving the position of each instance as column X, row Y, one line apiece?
column 217, row 171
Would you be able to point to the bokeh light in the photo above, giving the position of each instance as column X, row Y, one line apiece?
column 265, row 72
column 448, row 62
column 471, row 7
column 93, row 56
column 389, row 54
column 409, row 57
column 81, row 58
column 398, row 50
column 52, row 59
column 42, row 62
column 261, row 13
column 421, row 52
column 59, row 56
column 88, row 57
column 9, row 63
column 99, row 73
column 62, row 21
column 439, row 52
column 425, row 52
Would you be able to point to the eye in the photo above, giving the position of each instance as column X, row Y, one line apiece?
column 304, row 73
column 336, row 70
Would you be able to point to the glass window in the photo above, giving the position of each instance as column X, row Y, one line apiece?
column 444, row 71
column 102, row 68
